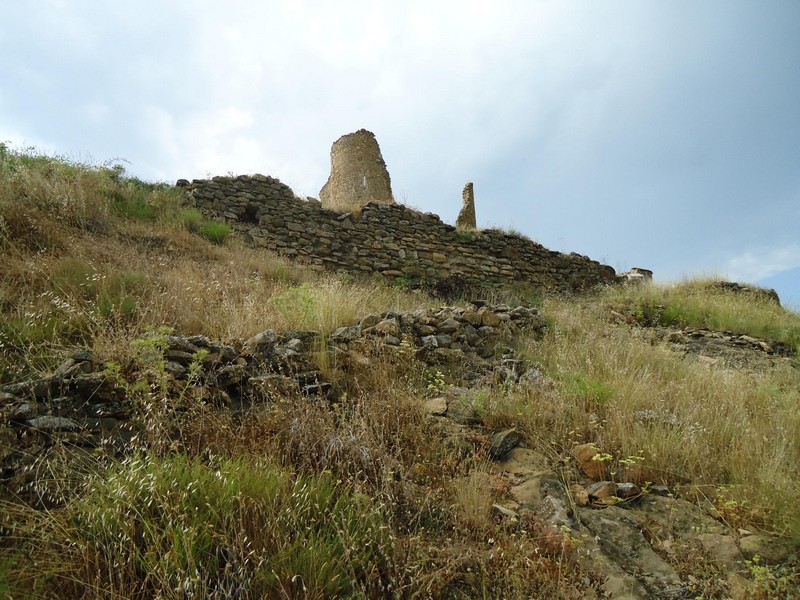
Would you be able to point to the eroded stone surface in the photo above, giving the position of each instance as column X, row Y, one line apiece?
column 524, row 462
column 358, row 173
column 466, row 217
column 621, row 539
column 588, row 458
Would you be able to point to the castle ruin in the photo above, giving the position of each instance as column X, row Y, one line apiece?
column 358, row 173
column 466, row 218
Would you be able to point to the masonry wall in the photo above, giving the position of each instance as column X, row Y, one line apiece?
column 389, row 239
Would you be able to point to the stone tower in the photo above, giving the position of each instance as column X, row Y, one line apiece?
column 466, row 218
column 358, row 173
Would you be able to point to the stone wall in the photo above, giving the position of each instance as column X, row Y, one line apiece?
column 82, row 405
column 389, row 239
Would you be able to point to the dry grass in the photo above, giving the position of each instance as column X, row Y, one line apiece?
column 95, row 259
column 663, row 417
column 701, row 303
column 372, row 485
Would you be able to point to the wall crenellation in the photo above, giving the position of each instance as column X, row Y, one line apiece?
column 390, row 239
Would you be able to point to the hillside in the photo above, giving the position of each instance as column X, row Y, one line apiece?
column 186, row 415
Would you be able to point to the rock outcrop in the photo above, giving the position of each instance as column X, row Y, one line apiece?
column 466, row 217
column 88, row 404
column 358, row 173
column 636, row 274
column 632, row 539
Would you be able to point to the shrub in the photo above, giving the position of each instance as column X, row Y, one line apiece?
column 467, row 233
column 136, row 207
column 510, row 231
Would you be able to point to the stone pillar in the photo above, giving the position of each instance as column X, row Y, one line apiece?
column 466, row 218
column 358, row 173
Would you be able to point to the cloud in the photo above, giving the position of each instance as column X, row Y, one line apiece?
column 662, row 135
column 763, row 263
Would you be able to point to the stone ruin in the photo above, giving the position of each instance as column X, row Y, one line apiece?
column 387, row 239
column 466, row 218
column 636, row 275
column 358, row 173
column 357, row 227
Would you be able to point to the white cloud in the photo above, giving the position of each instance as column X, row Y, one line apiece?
column 764, row 262
column 574, row 119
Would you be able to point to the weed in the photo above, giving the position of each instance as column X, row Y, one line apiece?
column 436, row 383
column 467, row 234
column 595, row 392
column 773, row 581
column 296, row 304
column 510, row 231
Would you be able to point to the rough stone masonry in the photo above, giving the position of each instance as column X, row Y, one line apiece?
column 390, row 239
column 358, row 173
column 466, row 218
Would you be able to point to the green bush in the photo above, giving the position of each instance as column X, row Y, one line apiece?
column 191, row 219
column 215, row 231
column 137, row 210
column 467, row 234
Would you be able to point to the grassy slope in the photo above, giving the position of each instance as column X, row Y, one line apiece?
column 93, row 258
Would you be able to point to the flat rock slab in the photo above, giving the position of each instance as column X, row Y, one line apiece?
column 772, row 550
column 529, row 493
column 621, row 540
column 436, row 407
column 504, row 442
column 524, row 462
column 722, row 548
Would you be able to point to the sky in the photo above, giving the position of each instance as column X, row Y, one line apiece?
column 644, row 133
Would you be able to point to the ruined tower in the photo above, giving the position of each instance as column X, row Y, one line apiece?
column 358, row 173
column 466, row 218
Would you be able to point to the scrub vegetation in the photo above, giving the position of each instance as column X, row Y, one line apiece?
column 368, row 497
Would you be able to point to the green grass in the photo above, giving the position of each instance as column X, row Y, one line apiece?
column 215, row 231
column 191, row 218
column 700, row 304
column 177, row 528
